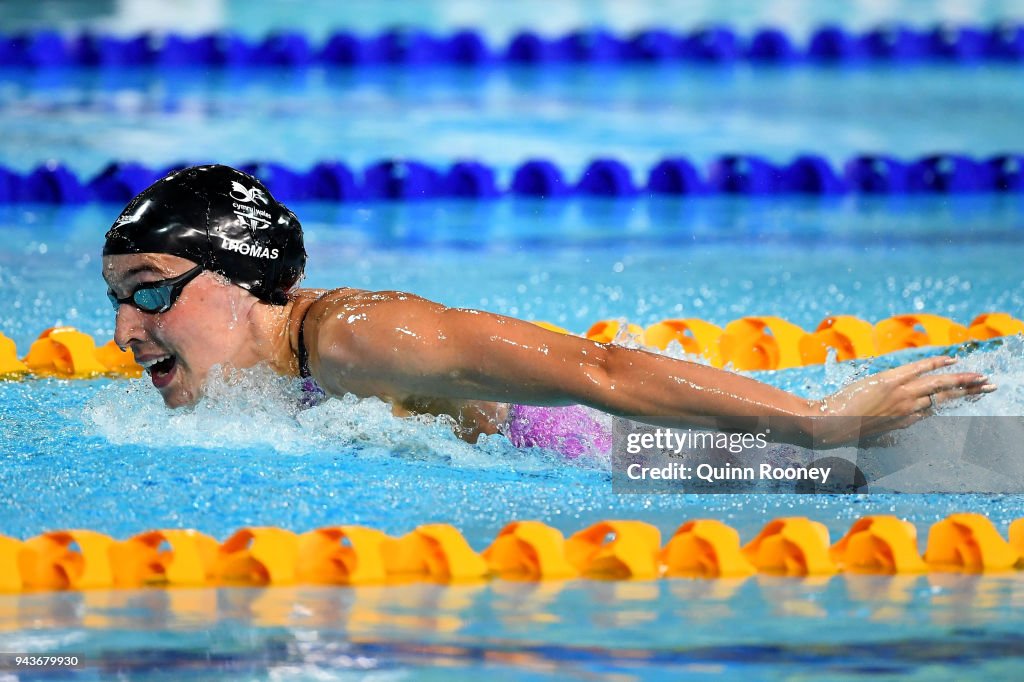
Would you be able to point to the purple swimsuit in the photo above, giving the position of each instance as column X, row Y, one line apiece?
column 571, row 430
column 312, row 394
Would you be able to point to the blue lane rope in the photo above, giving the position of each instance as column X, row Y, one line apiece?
column 828, row 44
column 406, row 180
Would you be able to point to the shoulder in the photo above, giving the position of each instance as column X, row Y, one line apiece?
column 358, row 320
column 348, row 332
column 340, row 309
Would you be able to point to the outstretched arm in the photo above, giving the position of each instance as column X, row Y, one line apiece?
column 404, row 347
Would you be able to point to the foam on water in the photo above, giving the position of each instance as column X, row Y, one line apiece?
column 255, row 407
column 1005, row 367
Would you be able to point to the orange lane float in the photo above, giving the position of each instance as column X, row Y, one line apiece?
column 969, row 542
column 165, row 557
column 435, row 551
column 992, row 325
column 342, row 555
column 849, row 336
column 15, row 560
column 117, row 361
column 10, row 365
column 64, row 352
column 606, row 331
column 1017, row 538
column 71, row 559
column 696, row 337
column 67, row 353
column 706, row 549
column 791, row 546
column 879, row 544
column 917, row 330
column 529, row 550
column 615, row 550
column 258, row 555
column 523, row 550
column 759, row 343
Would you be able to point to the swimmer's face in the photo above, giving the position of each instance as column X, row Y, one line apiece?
column 204, row 327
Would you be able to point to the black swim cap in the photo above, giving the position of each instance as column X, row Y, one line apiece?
column 220, row 218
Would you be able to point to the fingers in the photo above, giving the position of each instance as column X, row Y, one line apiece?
column 943, row 382
column 946, row 393
column 919, row 367
column 933, row 390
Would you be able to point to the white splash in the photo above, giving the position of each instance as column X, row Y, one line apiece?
column 256, row 408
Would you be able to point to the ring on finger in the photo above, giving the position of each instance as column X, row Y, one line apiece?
column 931, row 399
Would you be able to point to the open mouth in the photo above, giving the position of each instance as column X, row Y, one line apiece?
column 162, row 370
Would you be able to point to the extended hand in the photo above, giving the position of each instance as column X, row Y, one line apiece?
column 893, row 399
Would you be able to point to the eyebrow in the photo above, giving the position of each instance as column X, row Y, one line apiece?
column 137, row 270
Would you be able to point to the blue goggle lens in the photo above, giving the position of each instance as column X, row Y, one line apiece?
column 153, row 300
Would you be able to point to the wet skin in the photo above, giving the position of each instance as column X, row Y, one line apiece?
column 421, row 356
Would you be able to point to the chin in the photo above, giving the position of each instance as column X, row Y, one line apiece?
column 179, row 398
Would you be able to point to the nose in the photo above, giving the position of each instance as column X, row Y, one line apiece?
column 127, row 325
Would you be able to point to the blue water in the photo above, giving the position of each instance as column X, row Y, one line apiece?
column 571, row 263
column 575, row 262
column 943, row 627
column 106, row 455
column 639, row 114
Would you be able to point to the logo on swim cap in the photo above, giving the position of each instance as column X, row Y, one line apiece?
column 132, row 216
column 245, row 194
column 254, row 217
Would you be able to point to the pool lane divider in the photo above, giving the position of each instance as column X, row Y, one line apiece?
column 748, row 343
column 415, row 48
column 66, row 353
column 523, row 550
column 411, row 180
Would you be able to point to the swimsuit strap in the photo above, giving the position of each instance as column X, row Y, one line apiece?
column 302, row 353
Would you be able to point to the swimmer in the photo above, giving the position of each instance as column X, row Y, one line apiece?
column 202, row 268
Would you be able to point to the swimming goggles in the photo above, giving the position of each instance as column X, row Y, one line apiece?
column 156, row 297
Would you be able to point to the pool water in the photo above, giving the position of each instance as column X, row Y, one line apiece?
column 943, row 627
column 570, row 114
column 578, row 261
column 106, row 455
